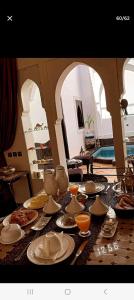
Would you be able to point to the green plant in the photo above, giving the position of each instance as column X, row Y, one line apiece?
column 89, row 121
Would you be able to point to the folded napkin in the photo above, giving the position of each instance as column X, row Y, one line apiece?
column 51, row 246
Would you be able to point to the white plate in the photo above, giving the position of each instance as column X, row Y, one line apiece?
column 7, row 220
column 99, row 188
column 60, row 224
column 7, row 243
column 69, row 246
column 27, row 202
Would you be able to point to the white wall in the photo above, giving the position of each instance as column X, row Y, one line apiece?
column 77, row 85
column 129, row 125
column 105, row 130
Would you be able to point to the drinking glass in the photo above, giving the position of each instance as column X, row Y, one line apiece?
column 73, row 188
column 83, row 221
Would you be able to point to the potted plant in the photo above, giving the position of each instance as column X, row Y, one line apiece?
column 88, row 124
column 89, row 135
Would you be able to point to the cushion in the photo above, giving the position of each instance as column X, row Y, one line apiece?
column 75, row 175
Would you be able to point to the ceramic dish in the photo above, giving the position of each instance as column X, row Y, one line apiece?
column 98, row 214
column 7, row 220
column 68, row 244
column 125, row 212
column 111, row 233
column 36, row 206
column 82, row 197
column 52, row 213
column 82, row 208
column 99, row 188
column 8, row 243
column 60, row 223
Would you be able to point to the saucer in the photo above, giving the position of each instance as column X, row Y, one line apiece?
column 59, row 223
column 14, row 241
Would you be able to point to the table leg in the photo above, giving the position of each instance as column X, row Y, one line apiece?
column 29, row 185
column 10, row 184
column 87, row 168
column 91, row 168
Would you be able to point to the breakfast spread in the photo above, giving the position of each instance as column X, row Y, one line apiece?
column 125, row 201
column 90, row 187
column 22, row 217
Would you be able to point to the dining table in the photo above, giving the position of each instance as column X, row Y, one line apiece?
column 118, row 250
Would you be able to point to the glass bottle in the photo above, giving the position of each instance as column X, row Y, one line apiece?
column 62, row 179
column 50, row 183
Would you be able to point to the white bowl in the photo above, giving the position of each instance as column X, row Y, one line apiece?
column 10, row 233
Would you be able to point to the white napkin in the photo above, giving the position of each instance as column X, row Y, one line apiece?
column 51, row 246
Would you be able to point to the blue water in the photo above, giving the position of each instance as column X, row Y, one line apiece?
column 108, row 152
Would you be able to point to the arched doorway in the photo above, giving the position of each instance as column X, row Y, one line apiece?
column 82, row 87
column 35, row 128
column 128, row 115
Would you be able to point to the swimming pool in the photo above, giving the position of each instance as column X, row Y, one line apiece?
column 106, row 154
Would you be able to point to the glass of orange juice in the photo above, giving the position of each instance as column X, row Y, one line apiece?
column 83, row 221
column 73, row 188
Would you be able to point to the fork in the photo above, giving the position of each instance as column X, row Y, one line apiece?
column 18, row 257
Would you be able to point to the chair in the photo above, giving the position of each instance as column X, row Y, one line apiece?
column 75, row 175
column 94, row 177
column 7, row 201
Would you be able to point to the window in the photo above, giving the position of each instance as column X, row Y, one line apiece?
column 79, row 111
column 129, row 86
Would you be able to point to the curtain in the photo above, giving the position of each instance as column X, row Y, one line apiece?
column 8, row 105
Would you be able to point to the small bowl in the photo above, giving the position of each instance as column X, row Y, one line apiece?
column 82, row 198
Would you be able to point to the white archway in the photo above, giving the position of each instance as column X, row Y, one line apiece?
column 58, row 91
column 34, row 121
column 128, row 86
